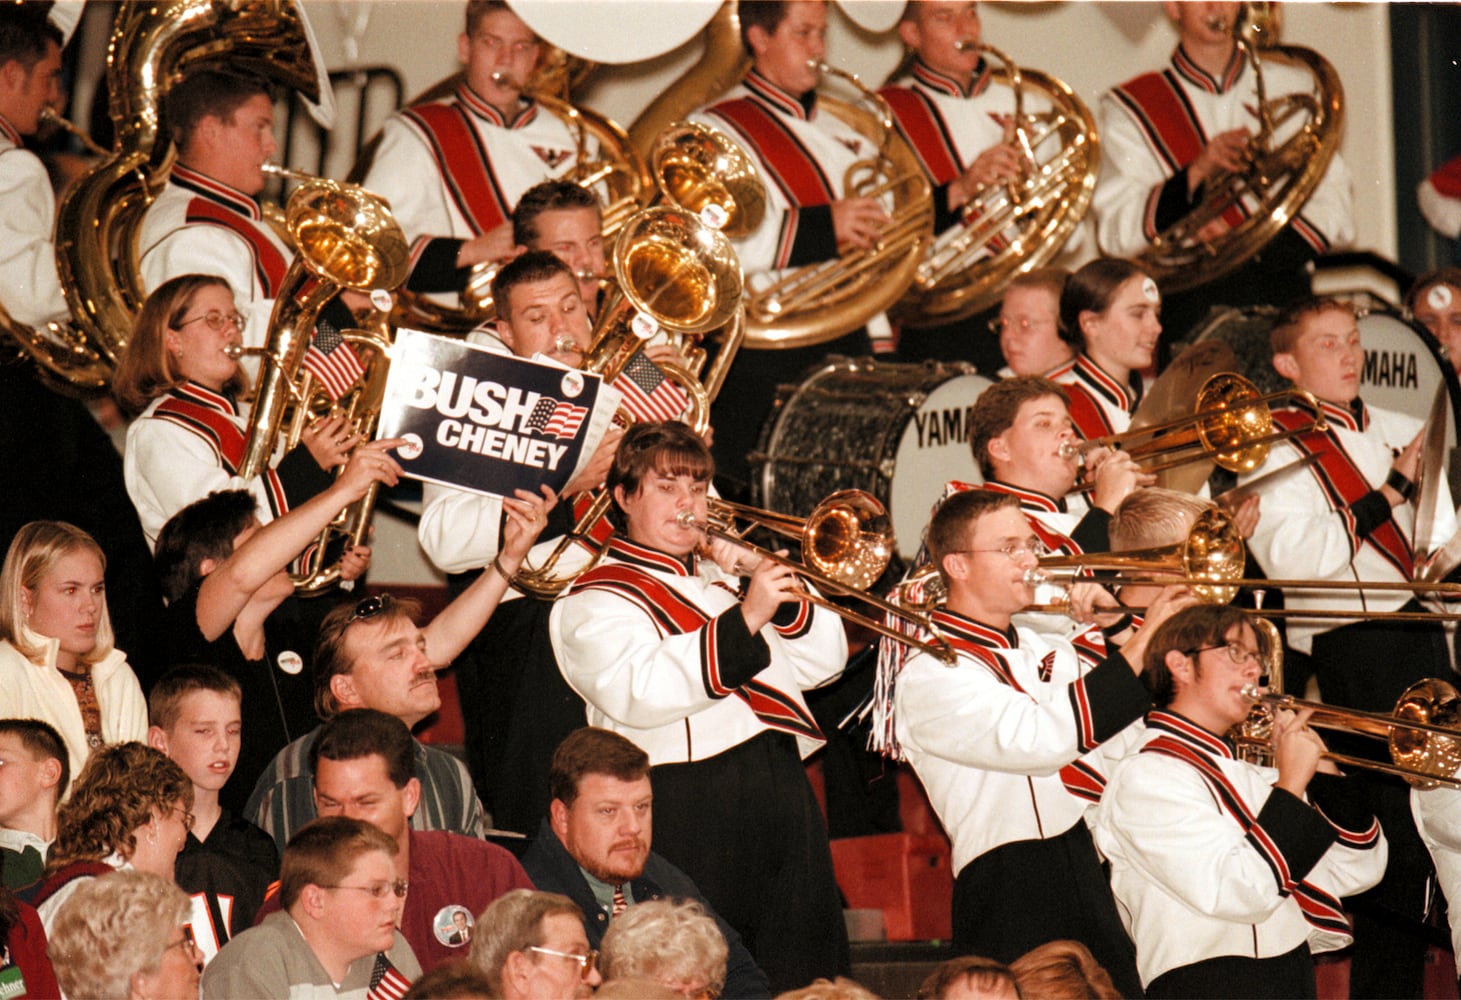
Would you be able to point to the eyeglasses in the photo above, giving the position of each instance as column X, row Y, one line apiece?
column 1023, row 325
column 379, row 890
column 369, row 607
column 186, row 942
column 586, row 962
column 1237, row 653
column 1013, row 550
column 217, row 321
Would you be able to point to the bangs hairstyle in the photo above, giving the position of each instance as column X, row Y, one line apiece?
column 323, row 852
column 34, row 552
column 204, row 529
column 527, row 269
column 1190, row 628
column 549, row 196
column 118, row 791
column 995, row 410
column 206, row 92
column 147, row 369
column 667, row 447
column 1091, row 289
column 1441, row 276
column 593, row 751
column 41, row 740
column 1289, row 326
column 956, row 519
column 165, row 703
column 330, row 658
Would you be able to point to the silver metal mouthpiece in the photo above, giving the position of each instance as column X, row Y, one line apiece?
column 1253, row 692
column 964, row 45
column 1069, row 450
column 1218, row 23
column 685, row 519
column 565, row 344
column 1035, row 577
column 505, row 80
column 234, row 351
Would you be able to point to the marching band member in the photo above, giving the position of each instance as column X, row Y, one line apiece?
column 453, row 170
column 1434, row 301
column 1437, row 813
column 208, row 216
column 702, row 664
column 1028, row 324
column 30, row 74
column 189, row 437
column 1227, row 875
column 802, row 156
column 1110, row 310
column 960, row 124
column 564, row 218
column 1349, row 517
column 1006, row 743
column 1164, row 135
column 515, row 705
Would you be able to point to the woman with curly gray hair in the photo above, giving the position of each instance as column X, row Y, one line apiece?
column 125, row 936
column 674, row 943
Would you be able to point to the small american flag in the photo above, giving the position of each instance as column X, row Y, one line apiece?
column 332, row 361
column 555, row 417
column 648, row 395
column 386, row 981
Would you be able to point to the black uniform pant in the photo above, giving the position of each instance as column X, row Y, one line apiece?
column 1285, row 977
column 744, row 825
column 1021, row 895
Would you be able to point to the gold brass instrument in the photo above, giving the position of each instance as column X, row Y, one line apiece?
column 151, row 45
column 1231, row 425
column 820, row 302
column 344, row 238
column 847, row 542
column 1282, row 172
column 965, row 270
column 674, row 274
column 1253, row 737
column 1423, row 731
column 50, row 116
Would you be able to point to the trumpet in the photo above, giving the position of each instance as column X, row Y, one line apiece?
column 847, row 542
column 1423, row 731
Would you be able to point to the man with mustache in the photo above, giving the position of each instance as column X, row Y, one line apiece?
column 594, row 847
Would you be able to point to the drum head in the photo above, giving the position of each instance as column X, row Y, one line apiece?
column 898, row 431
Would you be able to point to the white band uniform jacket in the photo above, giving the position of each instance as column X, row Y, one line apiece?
column 30, row 289
column 674, row 694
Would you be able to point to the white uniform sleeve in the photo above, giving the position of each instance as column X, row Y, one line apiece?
column 404, row 172
column 459, row 530
column 1131, row 178
column 1298, row 535
column 30, row 289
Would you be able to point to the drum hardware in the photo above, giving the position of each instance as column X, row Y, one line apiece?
column 847, row 543
column 1423, row 731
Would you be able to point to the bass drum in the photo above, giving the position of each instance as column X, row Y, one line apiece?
column 898, row 431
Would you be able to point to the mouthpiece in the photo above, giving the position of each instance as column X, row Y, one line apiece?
column 818, row 65
column 505, row 80
column 685, row 519
column 1218, row 23
column 234, row 351
column 1253, row 692
column 585, row 275
column 1035, row 577
column 1069, row 451
column 565, row 344
column 964, row 45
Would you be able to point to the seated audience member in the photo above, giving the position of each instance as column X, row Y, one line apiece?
column 1028, row 324
column 674, row 943
column 33, row 776
column 336, row 935
column 130, row 809
column 1110, row 311
column 454, row 980
column 57, row 662
column 126, row 937
column 198, row 723
column 24, row 968
column 1231, row 901
column 1434, row 301
column 373, row 655
column 231, row 602
column 1019, row 718
column 594, row 847
column 364, row 768
column 970, row 977
column 840, row 988
column 636, row 988
column 188, row 440
column 1062, row 970
column 532, row 944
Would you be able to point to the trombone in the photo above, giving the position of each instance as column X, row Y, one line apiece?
column 1423, row 731
column 847, row 542
column 1230, row 424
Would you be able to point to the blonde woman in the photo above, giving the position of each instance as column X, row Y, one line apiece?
column 57, row 661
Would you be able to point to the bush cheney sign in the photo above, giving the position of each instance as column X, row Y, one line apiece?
column 489, row 422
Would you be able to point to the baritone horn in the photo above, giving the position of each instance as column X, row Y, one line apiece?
column 1423, row 731
column 1012, row 229
column 847, row 543
column 344, row 238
